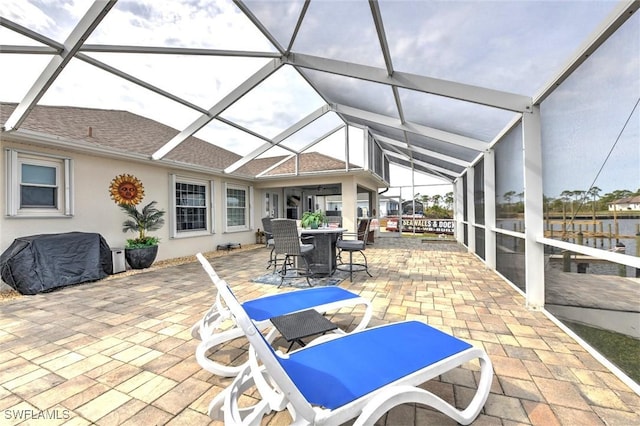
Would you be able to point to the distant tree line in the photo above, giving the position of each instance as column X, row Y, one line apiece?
column 569, row 202
column 436, row 206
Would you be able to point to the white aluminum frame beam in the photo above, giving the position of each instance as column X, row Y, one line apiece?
column 79, row 34
column 301, row 124
column 422, row 151
column 279, row 138
column 108, row 68
column 29, row 50
column 471, row 211
column 489, row 179
column 322, row 137
column 284, row 160
column 249, row 14
column 186, row 51
column 425, row 165
column 241, row 128
column 219, row 107
column 620, row 14
column 139, row 82
column 57, row 48
column 458, row 208
column 303, row 13
column 450, row 89
column 533, row 209
column 386, row 53
column 410, row 127
column 382, row 37
column 253, row 154
column 297, row 154
column 32, row 35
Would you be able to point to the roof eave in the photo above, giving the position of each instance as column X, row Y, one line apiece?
column 57, row 142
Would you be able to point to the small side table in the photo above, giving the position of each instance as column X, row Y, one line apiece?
column 294, row 327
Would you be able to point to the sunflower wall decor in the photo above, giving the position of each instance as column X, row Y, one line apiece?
column 126, row 189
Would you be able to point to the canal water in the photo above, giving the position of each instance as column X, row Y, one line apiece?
column 626, row 227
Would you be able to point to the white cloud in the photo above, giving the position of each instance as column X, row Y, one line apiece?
column 27, row 14
column 216, row 25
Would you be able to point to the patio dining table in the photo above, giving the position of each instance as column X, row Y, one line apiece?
column 323, row 257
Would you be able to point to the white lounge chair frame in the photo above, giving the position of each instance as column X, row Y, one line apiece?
column 279, row 391
column 209, row 330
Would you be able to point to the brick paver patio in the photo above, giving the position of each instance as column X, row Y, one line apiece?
column 119, row 351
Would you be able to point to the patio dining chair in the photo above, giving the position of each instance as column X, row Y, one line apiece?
column 337, row 378
column 266, row 227
column 354, row 243
column 296, row 260
column 213, row 329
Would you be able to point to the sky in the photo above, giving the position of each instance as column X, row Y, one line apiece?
column 511, row 54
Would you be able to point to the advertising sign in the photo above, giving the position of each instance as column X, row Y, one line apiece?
column 434, row 226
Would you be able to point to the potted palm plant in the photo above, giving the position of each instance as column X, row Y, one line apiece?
column 312, row 219
column 140, row 252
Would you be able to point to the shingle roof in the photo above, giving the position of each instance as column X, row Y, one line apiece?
column 628, row 200
column 310, row 162
column 127, row 132
column 259, row 165
column 120, row 130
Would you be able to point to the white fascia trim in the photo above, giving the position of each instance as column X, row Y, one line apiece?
column 48, row 141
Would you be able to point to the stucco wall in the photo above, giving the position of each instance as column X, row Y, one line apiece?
column 95, row 211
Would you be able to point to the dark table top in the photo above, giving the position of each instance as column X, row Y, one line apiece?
column 302, row 324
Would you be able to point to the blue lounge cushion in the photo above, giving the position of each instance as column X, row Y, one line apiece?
column 334, row 373
column 285, row 303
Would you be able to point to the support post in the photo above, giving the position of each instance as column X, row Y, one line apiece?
column 533, row 203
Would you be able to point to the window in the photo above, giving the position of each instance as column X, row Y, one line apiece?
column 38, row 185
column 191, row 209
column 237, row 207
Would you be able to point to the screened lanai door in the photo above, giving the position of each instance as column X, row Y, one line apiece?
column 272, row 204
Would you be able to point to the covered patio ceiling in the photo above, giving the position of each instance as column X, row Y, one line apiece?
column 435, row 82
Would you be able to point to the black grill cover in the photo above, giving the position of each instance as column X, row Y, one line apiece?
column 39, row 263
